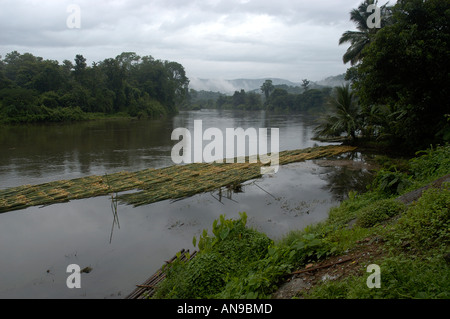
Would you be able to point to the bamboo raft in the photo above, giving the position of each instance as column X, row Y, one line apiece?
column 153, row 185
column 148, row 288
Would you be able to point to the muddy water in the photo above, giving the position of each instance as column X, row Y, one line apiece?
column 37, row 244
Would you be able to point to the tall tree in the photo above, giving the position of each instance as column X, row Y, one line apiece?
column 179, row 80
column 361, row 38
column 267, row 88
column 305, row 84
column 80, row 67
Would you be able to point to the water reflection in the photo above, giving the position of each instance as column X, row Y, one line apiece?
column 114, row 208
column 347, row 172
column 41, row 153
column 32, row 154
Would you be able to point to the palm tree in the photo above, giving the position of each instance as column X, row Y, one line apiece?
column 360, row 39
column 344, row 115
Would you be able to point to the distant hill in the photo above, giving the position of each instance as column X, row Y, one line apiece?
column 230, row 86
column 333, row 81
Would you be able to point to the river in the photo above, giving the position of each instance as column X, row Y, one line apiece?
column 38, row 243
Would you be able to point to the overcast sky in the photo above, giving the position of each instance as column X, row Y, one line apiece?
column 228, row 39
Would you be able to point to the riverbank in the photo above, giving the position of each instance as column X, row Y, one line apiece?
column 64, row 116
column 409, row 240
column 345, row 275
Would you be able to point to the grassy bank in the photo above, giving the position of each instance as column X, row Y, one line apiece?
column 411, row 238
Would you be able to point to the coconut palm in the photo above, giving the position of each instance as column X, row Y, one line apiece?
column 360, row 39
column 344, row 115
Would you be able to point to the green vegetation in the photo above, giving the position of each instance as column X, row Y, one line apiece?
column 310, row 100
column 280, row 98
column 360, row 39
column 344, row 115
column 267, row 88
column 402, row 277
column 240, row 100
column 378, row 211
column 400, row 88
column 238, row 262
column 415, row 265
column 233, row 250
column 36, row 90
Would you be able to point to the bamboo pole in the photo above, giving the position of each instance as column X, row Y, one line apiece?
column 153, row 185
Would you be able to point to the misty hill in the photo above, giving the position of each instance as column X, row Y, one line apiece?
column 230, row 86
column 332, row 81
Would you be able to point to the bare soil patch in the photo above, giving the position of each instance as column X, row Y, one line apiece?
column 354, row 262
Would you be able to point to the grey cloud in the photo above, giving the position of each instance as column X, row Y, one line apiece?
column 221, row 37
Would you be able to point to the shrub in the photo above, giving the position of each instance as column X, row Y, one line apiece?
column 434, row 163
column 231, row 253
column 390, row 181
column 205, row 275
column 398, row 177
column 426, row 224
column 379, row 211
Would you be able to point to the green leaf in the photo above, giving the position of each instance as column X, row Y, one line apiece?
column 300, row 245
column 314, row 242
column 292, row 254
column 224, row 233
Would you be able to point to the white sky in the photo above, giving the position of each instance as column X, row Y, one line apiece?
column 215, row 39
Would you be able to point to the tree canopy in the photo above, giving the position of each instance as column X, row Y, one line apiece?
column 267, row 88
column 362, row 37
column 401, row 76
column 280, row 99
column 33, row 89
column 405, row 69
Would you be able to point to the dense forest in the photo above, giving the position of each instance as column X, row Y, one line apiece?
column 33, row 89
column 277, row 98
column 399, row 77
column 36, row 90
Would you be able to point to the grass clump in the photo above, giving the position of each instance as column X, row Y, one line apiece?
column 426, row 224
column 379, row 211
column 401, row 278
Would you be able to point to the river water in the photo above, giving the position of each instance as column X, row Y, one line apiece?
column 38, row 243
